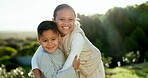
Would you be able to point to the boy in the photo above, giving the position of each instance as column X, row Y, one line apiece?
column 51, row 59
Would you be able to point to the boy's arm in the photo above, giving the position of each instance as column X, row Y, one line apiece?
column 34, row 63
column 37, row 73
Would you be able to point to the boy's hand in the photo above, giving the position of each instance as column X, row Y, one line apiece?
column 76, row 63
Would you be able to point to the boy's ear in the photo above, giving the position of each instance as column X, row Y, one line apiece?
column 53, row 20
column 39, row 42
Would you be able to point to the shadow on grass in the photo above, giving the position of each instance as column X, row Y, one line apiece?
column 132, row 71
column 141, row 70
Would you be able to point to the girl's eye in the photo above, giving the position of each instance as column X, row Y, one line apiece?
column 61, row 19
column 53, row 39
column 71, row 19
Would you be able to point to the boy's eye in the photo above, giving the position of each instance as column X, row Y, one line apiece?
column 44, row 40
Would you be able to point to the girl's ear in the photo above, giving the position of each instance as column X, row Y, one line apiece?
column 39, row 42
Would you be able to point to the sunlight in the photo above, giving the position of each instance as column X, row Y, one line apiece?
column 35, row 11
column 101, row 6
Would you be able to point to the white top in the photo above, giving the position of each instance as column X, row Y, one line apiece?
column 76, row 48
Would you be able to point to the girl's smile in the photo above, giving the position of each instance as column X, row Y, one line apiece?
column 65, row 20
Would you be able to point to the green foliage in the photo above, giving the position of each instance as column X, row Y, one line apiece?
column 134, row 71
column 7, row 51
column 2, row 42
column 146, row 56
column 15, row 73
column 28, row 49
column 119, row 31
column 131, row 57
column 130, row 44
column 106, row 60
column 9, row 62
column 6, row 57
column 14, row 45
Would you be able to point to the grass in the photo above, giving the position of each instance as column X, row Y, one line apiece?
column 132, row 71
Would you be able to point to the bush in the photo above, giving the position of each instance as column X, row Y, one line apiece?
column 131, row 57
column 15, row 73
column 14, row 45
column 5, row 57
column 146, row 57
column 9, row 62
column 106, row 60
column 28, row 49
column 2, row 42
column 7, row 51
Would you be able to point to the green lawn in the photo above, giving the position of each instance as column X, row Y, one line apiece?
column 132, row 71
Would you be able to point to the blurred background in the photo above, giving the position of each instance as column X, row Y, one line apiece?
column 119, row 28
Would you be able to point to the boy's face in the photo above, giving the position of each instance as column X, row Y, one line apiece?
column 49, row 40
column 65, row 20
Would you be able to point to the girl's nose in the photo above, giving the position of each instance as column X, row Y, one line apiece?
column 66, row 22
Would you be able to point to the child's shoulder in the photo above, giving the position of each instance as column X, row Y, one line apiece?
column 43, row 55
column 44, row 58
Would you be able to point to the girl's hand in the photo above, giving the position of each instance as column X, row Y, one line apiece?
column 76, row 63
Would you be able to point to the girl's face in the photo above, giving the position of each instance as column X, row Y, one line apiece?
column 65, row 20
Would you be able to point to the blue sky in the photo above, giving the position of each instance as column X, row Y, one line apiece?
column 25, row 15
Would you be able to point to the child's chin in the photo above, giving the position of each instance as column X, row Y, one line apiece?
column 50, row 51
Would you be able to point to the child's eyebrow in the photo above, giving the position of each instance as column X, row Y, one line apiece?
column 54, row 37
column 44, row 39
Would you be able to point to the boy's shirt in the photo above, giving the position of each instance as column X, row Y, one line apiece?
column 34, row 60
column 51, row 63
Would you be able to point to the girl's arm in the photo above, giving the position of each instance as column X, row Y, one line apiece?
column 49, row 70
column 76, row 48
column 34, row 63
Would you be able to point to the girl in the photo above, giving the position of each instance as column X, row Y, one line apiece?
column 74, row 42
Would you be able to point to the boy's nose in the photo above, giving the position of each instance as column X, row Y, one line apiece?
column 49, row 43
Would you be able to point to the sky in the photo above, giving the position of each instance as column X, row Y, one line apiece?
column 25, row 15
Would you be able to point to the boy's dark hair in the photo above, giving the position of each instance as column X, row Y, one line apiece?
column 62, row 6
column 47, row 25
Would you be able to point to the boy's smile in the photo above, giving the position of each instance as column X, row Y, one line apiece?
column 49, row 41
